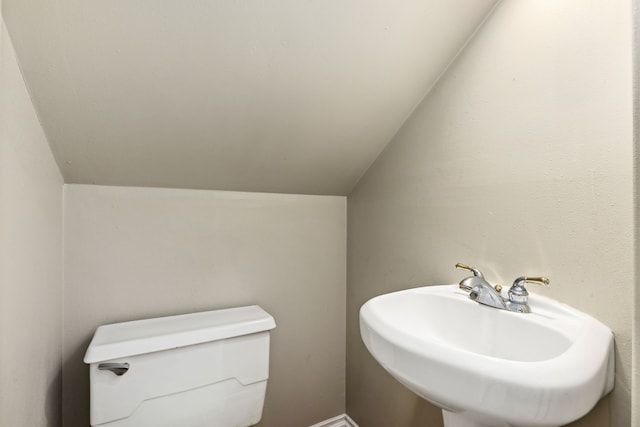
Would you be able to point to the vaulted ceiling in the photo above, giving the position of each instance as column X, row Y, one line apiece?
column 294, row 96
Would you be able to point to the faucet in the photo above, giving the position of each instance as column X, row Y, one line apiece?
column 519, row 296
column 482, row 292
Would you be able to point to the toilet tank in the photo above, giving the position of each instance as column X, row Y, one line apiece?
column 193, row 370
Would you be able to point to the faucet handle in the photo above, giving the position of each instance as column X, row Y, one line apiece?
column 537, row 280
column 518, row 293
column 475, row 271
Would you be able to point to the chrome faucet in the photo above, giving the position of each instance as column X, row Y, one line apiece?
column 482, row 292
column 519, row 296
column 479, row 289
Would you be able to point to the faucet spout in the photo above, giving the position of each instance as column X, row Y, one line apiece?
column 468, row 283
column 484, row 293
column 479, row 289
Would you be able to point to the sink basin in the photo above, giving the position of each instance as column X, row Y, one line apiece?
column 489, row 367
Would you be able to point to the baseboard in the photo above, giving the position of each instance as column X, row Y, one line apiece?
column 340, row 421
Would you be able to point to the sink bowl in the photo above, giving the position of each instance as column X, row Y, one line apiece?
column 489, row 367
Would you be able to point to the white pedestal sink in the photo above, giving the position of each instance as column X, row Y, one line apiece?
column 487, row 367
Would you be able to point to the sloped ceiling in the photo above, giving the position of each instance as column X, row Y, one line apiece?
column 295, row 96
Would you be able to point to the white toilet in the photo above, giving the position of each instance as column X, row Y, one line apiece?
column 206, row 369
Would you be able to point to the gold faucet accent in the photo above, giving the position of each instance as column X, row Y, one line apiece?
column 537, row 280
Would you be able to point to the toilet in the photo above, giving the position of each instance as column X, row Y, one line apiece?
column 207, row 369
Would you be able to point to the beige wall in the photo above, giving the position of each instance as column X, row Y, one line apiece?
column 636, row 137
column 518, row 162
column 30, row 258
column 132, row 253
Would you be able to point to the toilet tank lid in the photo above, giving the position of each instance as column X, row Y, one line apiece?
column 146, row 336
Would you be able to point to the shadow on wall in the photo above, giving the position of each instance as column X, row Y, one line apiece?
column 52, row 408
column 424, row 413
column 76, row 377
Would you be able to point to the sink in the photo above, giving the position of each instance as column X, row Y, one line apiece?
column 490, row 367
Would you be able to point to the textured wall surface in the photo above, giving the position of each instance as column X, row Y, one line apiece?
column 134, row 253
column 30, row 258
column 518, row 162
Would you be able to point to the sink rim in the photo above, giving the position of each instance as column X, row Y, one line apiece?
column 562, row 375
column 554, row 320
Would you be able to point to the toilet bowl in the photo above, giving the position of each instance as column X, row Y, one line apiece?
column 207, row 369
